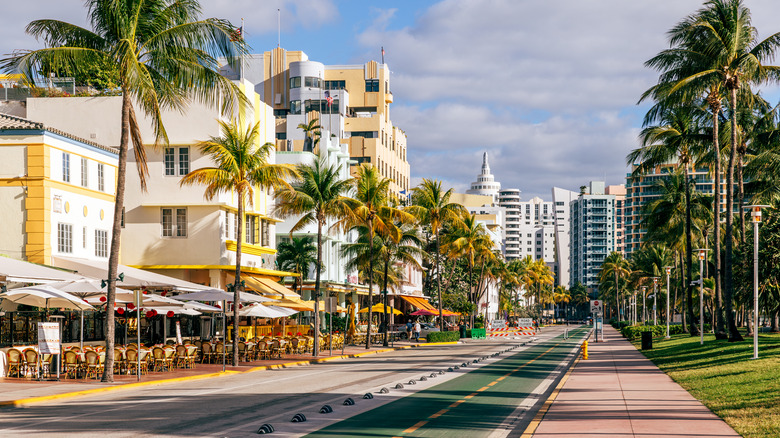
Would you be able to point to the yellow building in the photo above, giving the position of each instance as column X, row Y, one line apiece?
column 56, row 193
column 351, row 103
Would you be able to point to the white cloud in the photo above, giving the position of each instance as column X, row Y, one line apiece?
column 549, row 89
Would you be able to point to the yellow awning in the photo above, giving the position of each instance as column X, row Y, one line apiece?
column 423, row 304
column 380, row 308
column 339, row 309
column 269, row 287
column 301, row 306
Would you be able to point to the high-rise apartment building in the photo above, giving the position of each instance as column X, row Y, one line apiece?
column 349, row 102
column 562, row 198
column 593, row 238
column 641, row 190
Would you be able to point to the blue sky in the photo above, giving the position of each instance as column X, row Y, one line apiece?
column 547, row 88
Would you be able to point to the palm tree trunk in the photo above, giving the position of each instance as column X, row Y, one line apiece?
column 316, row 349
column 384, row 290
column 720, row 332
column 689, row 250
column 741, row 197
column 438, row 282
column 237, row 288
column 116, row 234
column 370, row 280
column 734, row 334
column 471, row 290
column 617, row 295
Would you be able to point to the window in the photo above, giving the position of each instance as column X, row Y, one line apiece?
column 372, row 85
column 101, row 243
column 66, row 167
column 295, row 82
column 266, row 233
column 84, row 172
column 65, row 238
column 84, row 237
column 174, row 226
column 281, row 113
column 364, row 134
column 313, row 82
column 335, row 85
column 281, row 136
column 177, row 161
column 295, row 107
column 251, row 230
column 101, row 177
column 227, row 224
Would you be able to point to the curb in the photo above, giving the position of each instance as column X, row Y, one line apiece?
column 44, row 398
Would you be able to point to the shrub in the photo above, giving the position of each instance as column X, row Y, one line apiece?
column 443, row 337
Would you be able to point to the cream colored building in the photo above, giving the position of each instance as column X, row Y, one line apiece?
column 171, row 229
column 56, row 193
column 359, row 114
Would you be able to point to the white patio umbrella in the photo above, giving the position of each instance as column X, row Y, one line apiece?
column 45, row 296
column 92, row 291
column 262, row 311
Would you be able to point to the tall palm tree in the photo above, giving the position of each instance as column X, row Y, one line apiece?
column 468, row 238
column 241, row 167
column 432, row 207
column 678, row 136
column 723, row 31
column 615, row 265
column 318, row 196
column 297, row 256
column 165, row 56
column 371, row 208
column 312, row 133
column 562, row 295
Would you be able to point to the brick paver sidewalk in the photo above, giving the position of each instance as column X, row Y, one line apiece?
column 618, row 392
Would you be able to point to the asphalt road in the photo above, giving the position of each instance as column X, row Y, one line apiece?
column 237, row 405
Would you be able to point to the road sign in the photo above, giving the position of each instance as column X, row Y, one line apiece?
column 498, row 323
column 525, row 322
column 596, row 306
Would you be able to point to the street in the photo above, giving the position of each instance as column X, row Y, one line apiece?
column 497, row 395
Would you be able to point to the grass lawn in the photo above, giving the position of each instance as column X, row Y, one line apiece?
column 723, row 375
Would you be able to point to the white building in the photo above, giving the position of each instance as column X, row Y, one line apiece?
column 171, row 229
column 562, row 198
column 485, row 184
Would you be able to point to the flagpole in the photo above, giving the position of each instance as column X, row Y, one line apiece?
column 279, row 27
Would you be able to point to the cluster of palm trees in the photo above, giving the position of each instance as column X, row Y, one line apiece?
column 707, row 113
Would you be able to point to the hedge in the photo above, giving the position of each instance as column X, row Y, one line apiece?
column 633, row 332
column 453, row 336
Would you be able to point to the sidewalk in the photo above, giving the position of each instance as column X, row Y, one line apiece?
column 618, row 392
column 20, row 391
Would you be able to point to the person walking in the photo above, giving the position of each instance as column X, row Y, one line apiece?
column 409, row 329
column 417, row 330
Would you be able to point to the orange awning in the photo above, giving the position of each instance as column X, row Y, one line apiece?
column 423, row 304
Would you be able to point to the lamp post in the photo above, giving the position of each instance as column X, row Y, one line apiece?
column 702, row 256
column 655, row 300
column 755, row 216
column 644, row 307
column 668, row 270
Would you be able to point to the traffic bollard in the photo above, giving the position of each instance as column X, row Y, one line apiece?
column 584, row 348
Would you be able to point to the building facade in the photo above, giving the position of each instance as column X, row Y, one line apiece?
column 351, row 101
column 56, row 193
column 562, row 200
column 592, row 233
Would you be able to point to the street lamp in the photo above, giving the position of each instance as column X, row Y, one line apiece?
column 668, row 270
column 755, row 215
column 655, row 300
column 644, row 307
column 702, row 256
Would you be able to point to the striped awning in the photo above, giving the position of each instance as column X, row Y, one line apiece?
column 423, row 304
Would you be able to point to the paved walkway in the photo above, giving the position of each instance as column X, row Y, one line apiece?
column 618, row 392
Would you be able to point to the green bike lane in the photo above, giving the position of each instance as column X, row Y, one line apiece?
column 471, row 405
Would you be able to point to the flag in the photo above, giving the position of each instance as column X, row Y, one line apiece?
column 329, row 98
column 238, row 34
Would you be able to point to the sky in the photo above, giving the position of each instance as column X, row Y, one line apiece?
column 548, row 89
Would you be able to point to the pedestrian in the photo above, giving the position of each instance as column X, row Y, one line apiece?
column 409, row 328
column 417, row 330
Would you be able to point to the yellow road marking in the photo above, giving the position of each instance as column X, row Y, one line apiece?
column 456, row 403
column 439, row 414
column 416, row 426
column 501, row 378
column 483, row 388
column 492, row 383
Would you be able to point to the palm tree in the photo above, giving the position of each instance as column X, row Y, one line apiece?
column 672, row 218
column 371, row 208
column 561, row 294
column 468, row 238
column 311, row 131
column 615, row 265
column 579, row 294
column 165, row 56
column 296, row 256
column 678, row 136
column 318, row 196
column 722, row 30
column 241, row 166
column 432, row 207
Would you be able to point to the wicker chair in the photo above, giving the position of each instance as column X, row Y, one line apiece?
column 93, row 365
column 120, row 361
column 181, row 359
column 161, row 363
column 132, row 362
column 72, row 364
column 207, row 353
column 15, row 362
column 31, row 366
